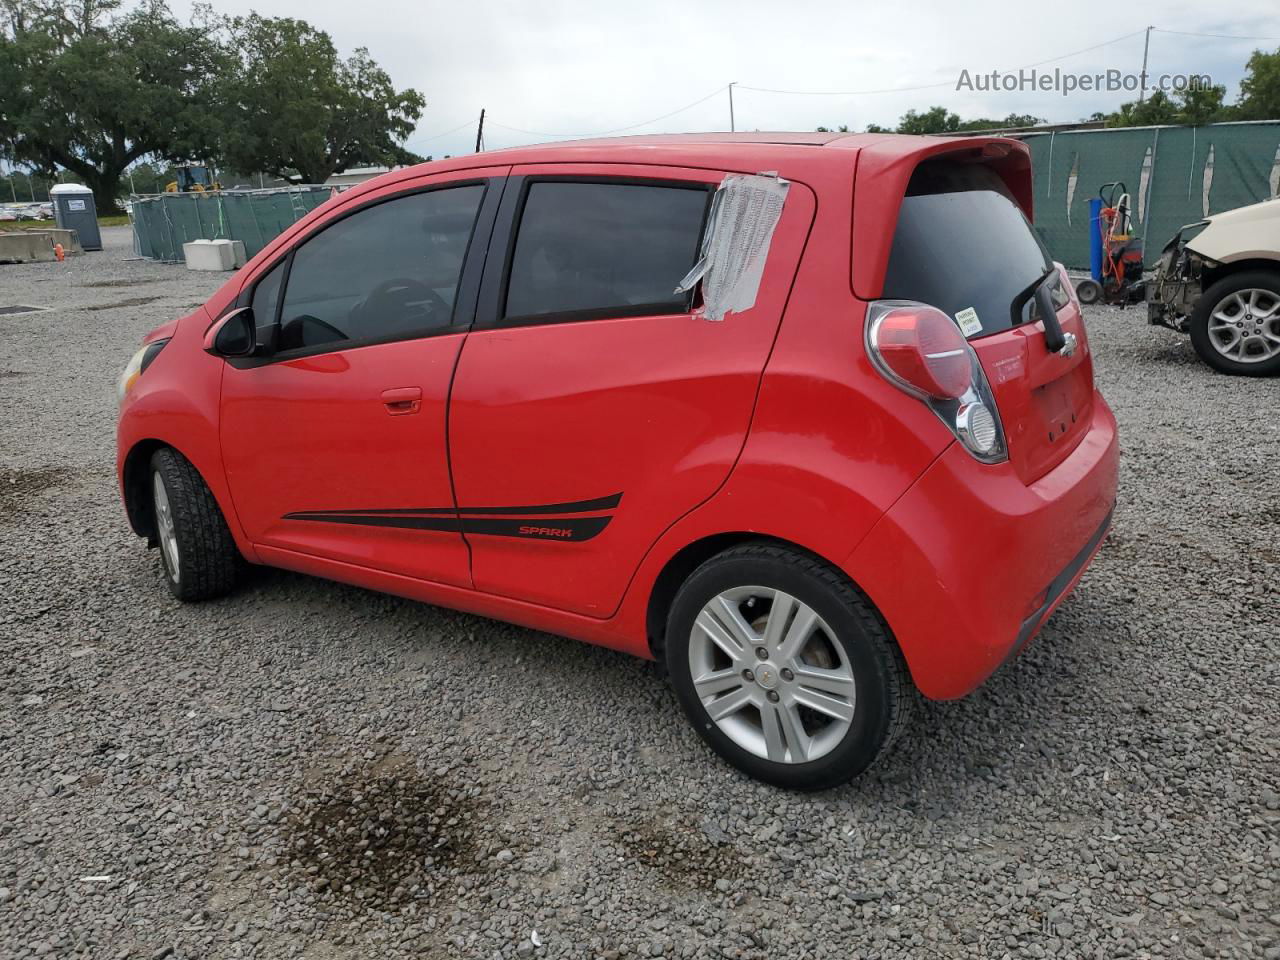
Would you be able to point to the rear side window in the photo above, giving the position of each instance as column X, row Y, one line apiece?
column 961, row 244
column 388, row 271
column 606, row 249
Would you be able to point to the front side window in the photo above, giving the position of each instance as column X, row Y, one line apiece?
column 266, row 297
column 604, row 248
column 388, row 271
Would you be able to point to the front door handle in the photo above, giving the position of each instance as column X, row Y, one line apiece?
column 402, row 400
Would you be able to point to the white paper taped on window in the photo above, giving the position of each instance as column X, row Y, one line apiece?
column 744, row 214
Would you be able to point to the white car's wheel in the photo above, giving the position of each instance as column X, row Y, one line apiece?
column 1235, row 325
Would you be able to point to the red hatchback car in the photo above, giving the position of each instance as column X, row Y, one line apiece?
column 817, row 439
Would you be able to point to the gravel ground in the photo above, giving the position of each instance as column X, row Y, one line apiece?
column 308, row 769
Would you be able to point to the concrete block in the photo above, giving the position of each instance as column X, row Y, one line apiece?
column 214, row 255
column 240, row 259
column 69, row 239
column 23, row 247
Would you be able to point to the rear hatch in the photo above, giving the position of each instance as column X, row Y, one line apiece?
column 963, row 244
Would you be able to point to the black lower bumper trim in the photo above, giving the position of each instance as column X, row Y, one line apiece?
column 1062, row 581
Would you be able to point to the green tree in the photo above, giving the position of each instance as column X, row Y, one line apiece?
column 296, row 110
column 1260, row 88
column 938, row 120
column 1198, row 105
column 1156, row 109
column 1013, row 121
column 1193, row 106
column 933, row 120
column 88, row 89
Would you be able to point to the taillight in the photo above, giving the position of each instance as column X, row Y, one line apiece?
column 920, row 350
column 924, row 349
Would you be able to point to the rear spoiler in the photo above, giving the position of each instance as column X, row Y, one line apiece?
column 881, row 175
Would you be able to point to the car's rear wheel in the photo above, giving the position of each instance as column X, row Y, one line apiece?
column 1235, row 325
column 784, row 668
column 197, row 553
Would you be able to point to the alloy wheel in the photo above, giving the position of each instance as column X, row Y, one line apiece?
column 771, row 674
column 1245, row 326
column 165, row 531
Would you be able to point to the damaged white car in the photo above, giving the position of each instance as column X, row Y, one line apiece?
column 1219, row 280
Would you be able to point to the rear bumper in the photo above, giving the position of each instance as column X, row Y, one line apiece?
column 970, row 562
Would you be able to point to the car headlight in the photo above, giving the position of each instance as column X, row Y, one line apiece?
column 138, row 364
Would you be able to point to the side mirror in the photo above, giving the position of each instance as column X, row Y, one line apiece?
column 234, row 335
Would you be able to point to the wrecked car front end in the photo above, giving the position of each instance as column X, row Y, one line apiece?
column 1178, row 280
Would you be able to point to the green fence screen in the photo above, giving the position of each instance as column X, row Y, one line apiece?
column 164, row 222
column 1175, row 176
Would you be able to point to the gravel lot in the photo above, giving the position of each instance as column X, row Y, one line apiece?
column 308, row 769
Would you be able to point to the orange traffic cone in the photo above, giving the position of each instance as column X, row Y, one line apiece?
column 59, row 252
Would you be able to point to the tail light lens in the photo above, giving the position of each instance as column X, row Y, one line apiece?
column 920, row 350
column 924, row 350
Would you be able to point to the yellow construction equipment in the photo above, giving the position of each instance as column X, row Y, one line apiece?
column 193, row 178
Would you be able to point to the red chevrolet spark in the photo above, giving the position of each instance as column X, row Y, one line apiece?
column 816, row 438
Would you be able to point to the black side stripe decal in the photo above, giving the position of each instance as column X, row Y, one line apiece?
column 496, row 524
column 577, row 506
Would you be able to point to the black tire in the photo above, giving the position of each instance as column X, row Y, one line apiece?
column 207, row 556
column 1202, row 340
column 884, row 694
column 1088, row 291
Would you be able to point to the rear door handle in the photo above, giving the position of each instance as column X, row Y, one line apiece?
column 402, row 400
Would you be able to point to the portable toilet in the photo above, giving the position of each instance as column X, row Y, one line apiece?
column 74, row 209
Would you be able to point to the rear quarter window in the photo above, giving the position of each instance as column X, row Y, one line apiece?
column 962, row 243
column 603, row 249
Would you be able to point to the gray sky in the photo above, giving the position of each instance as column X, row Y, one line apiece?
column 575, row 67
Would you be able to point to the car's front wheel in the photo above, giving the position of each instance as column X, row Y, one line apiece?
column 784, row 668
column 197, row 553
column 1235, row 325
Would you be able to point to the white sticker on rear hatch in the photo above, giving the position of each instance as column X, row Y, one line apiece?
column 969, row 322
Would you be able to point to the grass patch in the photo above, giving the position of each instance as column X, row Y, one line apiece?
column 115, row 220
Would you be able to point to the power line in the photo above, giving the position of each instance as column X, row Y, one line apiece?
column 605, row 133
column 1076, row 53
column 845, row 93
column 830, row 93
column 437, row 136
column 1215, row 36
column 933, row 86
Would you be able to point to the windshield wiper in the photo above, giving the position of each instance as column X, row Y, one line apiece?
column 1054, row 338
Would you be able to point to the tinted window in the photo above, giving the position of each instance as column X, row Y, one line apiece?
column 266, row 297
column 963, row 242
column 389, row 270
column 604, row 247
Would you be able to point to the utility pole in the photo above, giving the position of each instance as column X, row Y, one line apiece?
column 731, row 126
column 480, row 131
column 1146, row 45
